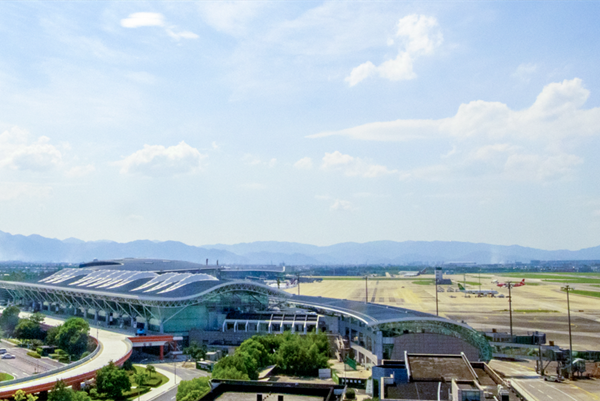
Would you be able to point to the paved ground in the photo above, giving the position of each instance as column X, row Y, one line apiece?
column 24, row 365
column 168, row 391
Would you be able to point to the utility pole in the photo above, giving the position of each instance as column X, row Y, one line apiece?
column 568, row 288
column 298, row 278
column 366, row 289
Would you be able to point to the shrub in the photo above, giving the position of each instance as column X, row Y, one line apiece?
column 350, row 394
column 34, row 354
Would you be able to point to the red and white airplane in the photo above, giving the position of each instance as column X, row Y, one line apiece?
column 520, row 284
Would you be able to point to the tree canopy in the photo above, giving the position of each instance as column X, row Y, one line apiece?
column 195, row 351
column 72, row 336
column 192, row 390
column 292, row 353
column 9, row 319
column 30, row 328
column 112, row 381
column 60, row 392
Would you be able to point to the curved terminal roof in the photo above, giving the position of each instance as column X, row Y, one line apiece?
column 146, row 265
column 139, row 285
column 369, row 313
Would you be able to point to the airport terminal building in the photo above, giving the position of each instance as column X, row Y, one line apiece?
column 192, row 300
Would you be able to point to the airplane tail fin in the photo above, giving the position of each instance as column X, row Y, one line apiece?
column 460, row 287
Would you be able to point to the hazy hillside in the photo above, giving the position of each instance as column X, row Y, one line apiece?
column 35, row 248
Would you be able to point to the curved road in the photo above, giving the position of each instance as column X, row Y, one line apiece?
column 114, row 347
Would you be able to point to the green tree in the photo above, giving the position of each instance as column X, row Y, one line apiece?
column 140, row 379
column 192, row 390
column 9, row 319
column 195, row 351
column 29, row 329
column 151, row 370
column 21, row 396
column 73, row 336
column 112, row 381
column 52, row 335
column 60, row 392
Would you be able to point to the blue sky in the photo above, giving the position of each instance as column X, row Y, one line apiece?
column 316, row 122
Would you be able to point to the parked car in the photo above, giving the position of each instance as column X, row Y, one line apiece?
column 2, row 351
column 8, row 356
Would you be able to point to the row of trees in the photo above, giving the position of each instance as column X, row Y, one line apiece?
column 292, row 353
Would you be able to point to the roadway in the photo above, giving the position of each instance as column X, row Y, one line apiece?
column 24, row 365
column 168, row 391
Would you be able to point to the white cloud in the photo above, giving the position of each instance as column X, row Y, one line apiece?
column 304, row 164
column 157, row 160
column 253, row 160
column 341, row 204
column 137, row 20
column 491, row 138
column 555, row 113
column 525, row 71
column 419, row 35
column 596, row 213
column 337, row 204
column 353, row 166
column 230, row 17
column 143, row 19
column 181, row 35
column 20, row 151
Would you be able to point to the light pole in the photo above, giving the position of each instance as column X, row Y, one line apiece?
column 568, row 288
column 366, row 289
column 509, row 285
column 298, row 278
column 436, row 296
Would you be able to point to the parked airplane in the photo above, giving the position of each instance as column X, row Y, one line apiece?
column 415, row 274
column 282, row 284
column 476, row 292
column 519, row 284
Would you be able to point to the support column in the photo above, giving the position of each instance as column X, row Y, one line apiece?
column 162, row 329
column 162, row 351
column 96, row 316
column 107, row 317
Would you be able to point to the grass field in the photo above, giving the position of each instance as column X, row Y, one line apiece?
column 531, row 311
column 575, row 281
column 5, row 377
column 586, row 293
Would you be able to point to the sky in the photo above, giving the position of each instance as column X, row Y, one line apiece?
column 308, row 121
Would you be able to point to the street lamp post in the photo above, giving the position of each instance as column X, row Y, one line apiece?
column 366, row 289
column 298, row 278
column 568, row 288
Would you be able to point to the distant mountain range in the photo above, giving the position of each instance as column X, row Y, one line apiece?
column 35, row 248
